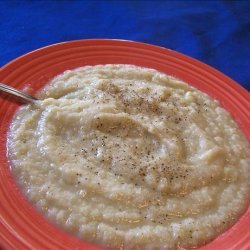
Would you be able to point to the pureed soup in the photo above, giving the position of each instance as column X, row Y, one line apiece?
column 128, row 157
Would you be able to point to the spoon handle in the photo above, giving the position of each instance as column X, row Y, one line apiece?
column 24, row 96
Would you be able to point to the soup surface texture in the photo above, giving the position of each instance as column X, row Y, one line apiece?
column 128, row 157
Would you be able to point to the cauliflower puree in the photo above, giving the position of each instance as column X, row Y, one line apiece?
column 128, row 157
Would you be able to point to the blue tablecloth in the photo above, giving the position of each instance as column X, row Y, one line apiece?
column 215, row 32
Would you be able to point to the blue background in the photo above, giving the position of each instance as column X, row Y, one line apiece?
column 215, row 32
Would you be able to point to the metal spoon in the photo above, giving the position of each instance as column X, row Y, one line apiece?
column 24, row 96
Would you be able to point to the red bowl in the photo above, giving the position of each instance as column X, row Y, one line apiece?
column 21, row 226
